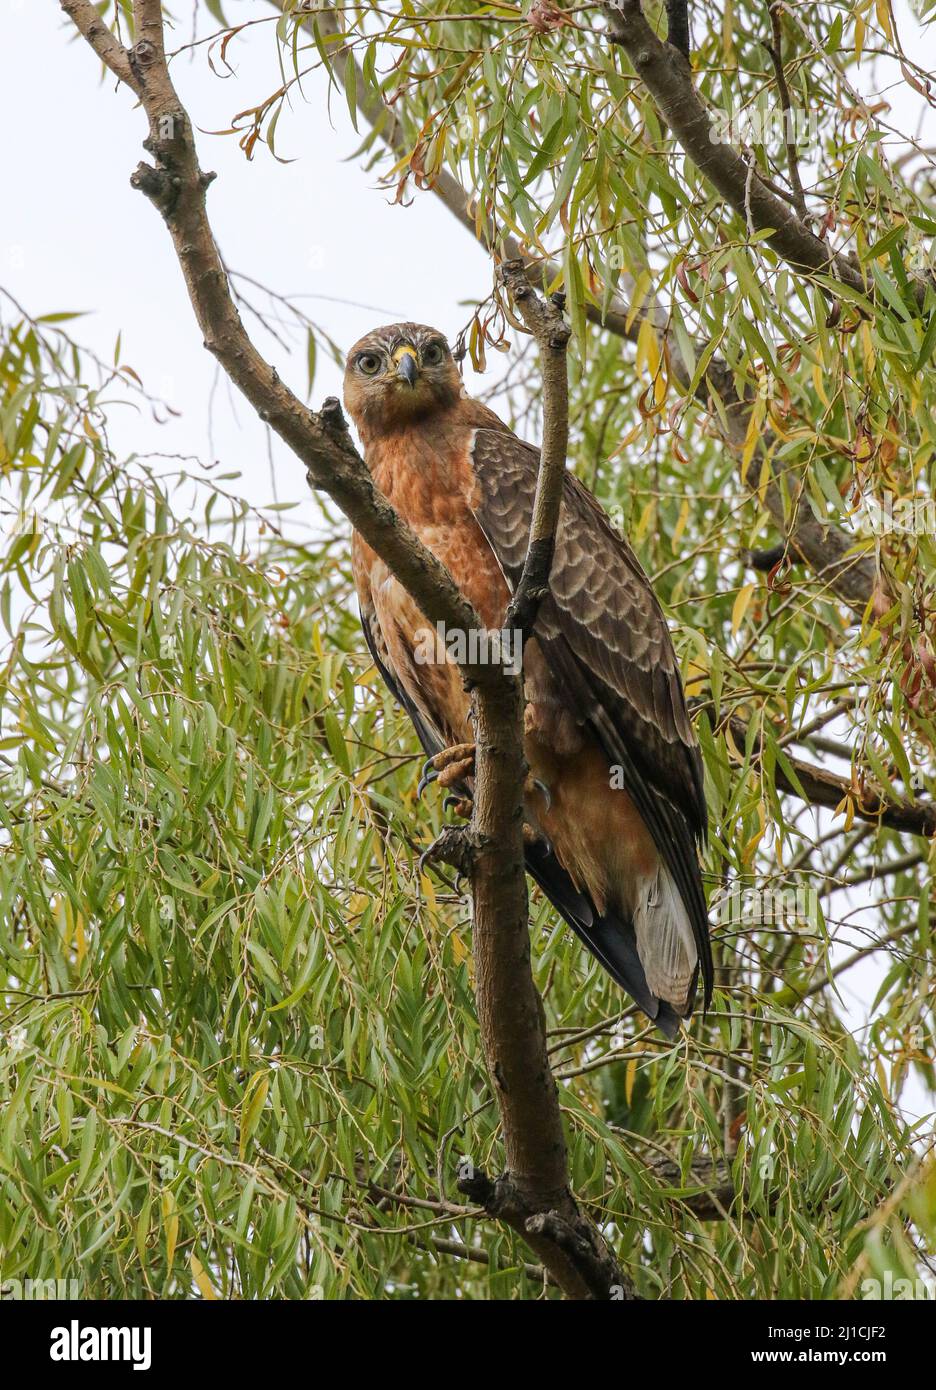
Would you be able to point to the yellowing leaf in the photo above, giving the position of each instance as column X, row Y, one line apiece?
column 648, row 349
column 641, row 285
column 681, row 522
column 252, row 1108
column 646, row 516
column 696, row 676
column 170, row 1218
column 201, row 1278
column 733, row 749
column 867, row 346
column 728, row 34
column 629, row 1077
column 740, row 607
column 754, row 430
column 428, row 890
column 747, row 853
column 628, row 439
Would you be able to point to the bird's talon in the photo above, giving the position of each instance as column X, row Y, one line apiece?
column 545, row 790
column 448, row 766
column 429, row 774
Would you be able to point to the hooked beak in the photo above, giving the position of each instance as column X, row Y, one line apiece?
column 406, row 365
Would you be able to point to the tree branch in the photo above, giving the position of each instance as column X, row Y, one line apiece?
column 441, row 1246
column 796, row 993
column 677, row 24
column 822, row 788
column 544, row 320
column 711, row 1176
column 776, row 55
column 533, row 1195
column 668, row 79
column 580, row 1260
column 875, row 873
column 87, row 20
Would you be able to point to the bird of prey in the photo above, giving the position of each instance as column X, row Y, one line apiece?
column 614, row 803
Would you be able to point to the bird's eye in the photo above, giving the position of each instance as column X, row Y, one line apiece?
column 368, row 363
column 433, row 355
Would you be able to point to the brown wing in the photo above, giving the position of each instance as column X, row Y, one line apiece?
column 605, row 636
column 602, row 603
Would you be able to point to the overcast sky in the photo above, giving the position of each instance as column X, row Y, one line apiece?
column 74, row 235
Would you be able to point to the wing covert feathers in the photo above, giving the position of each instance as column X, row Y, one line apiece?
column 605, row 636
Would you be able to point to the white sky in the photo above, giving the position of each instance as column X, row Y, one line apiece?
column 74, row 235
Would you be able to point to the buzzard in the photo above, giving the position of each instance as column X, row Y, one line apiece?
column 614, row 802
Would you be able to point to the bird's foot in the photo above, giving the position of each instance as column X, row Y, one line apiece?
column 456, row 846
column 454, row 764
column 448, row 767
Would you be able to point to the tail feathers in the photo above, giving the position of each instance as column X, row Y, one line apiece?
column 665, row 942
column 611, row 938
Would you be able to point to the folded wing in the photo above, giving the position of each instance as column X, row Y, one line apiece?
column 606, row 640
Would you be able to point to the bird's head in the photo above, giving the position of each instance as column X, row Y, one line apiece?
column 395, row 374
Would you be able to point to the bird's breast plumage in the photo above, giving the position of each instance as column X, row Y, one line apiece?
column 427, row 476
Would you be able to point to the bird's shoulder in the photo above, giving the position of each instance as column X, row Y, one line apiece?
column 601, row 608
column 478, row 416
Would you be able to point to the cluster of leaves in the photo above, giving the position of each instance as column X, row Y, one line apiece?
column 557, row 143
column 225, row 996
column 239, row 1054
column 237, row 1036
